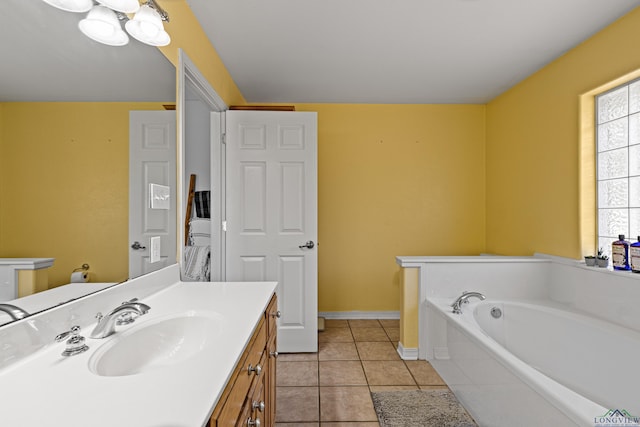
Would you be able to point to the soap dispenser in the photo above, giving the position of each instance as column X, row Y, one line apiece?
column 634, row 256
column 620, row 254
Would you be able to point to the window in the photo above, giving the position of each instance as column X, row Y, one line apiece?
column 618, row 164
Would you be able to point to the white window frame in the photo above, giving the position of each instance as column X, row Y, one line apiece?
column 624, row 124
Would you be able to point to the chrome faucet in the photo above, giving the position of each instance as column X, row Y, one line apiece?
column 464, row 299
column 16, row 313
column 122, row 314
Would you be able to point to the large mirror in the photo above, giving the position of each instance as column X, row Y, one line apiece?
column 64, row 141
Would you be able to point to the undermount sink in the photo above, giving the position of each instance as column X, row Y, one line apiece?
column 155, row 344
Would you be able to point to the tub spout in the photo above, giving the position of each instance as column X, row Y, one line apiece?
column 464, row 299
column 16, row 313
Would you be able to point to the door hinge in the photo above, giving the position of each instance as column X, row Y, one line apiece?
column 224, row 138
column 224, row 225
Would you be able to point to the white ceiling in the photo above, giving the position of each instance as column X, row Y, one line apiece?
column 342, row 51
column 394, row 51
column 46, row 58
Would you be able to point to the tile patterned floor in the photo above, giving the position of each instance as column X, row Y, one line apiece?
column 332, row 388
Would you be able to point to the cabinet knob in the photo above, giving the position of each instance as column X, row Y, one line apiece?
column 253, row 423
column 257, row 369
column 277, row 314
column 274, row 354
column 258, row 405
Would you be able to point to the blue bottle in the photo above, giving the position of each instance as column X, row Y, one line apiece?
column 634, row 256
column 620, row 254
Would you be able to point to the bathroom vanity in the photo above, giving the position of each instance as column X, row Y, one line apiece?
column 203, row 355
column 249, row 397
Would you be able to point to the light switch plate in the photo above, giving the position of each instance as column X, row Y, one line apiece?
column 155, row 249
column 159, row 196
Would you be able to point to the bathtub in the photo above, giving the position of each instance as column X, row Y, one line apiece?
column 538, row 363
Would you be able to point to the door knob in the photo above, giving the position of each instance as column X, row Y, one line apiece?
column 137, row 246
column 308, row 245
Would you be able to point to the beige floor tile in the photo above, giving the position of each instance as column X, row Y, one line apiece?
column 351, row 424
column 369, row 334
column 424, row 373
column 297, row 424
column 296, row 373
column 297, row 404
column 337, row 351
column 390, row 323
column 377, row 350
column 387, row 372
column 393, row 334
column 336, row 323
column 392, row 387
column 341, row 372
column 346, row 404
column 364, row 323
column 297, row 357
column 335, row 335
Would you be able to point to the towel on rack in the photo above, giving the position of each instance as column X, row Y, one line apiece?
column 199, row 232
column 202, row 201
column 197, row 263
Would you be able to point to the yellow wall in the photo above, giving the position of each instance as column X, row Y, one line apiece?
column 394, row 180
column 533, row 147
column 65, row 170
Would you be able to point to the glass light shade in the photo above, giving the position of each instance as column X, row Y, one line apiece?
column 71, row 5
column 103, row 26
column 124, row 6
column 146, row 26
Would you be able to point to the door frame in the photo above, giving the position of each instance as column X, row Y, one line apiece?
column 189, row 74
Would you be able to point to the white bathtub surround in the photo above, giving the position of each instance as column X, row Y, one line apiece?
column 181, row 394
column 547, row 367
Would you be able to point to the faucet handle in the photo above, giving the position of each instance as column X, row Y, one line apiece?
column 75, row 344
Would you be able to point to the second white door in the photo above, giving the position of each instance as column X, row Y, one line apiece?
column 271, row 214
column 152, row 160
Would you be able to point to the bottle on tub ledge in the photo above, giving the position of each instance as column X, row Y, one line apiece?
column 620, row 254
column 634, row 256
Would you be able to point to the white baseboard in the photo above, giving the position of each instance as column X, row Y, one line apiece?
column 407, row 353
column 359, row 314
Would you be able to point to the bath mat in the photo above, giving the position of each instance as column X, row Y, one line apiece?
column 424, row 408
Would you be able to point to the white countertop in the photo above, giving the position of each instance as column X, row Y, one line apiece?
column 49, row 389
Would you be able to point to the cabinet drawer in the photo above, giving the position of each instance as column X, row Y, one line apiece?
column 251, row 413
column 244, row 379
column 272, row 315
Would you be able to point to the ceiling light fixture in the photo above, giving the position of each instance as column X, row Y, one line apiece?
column 102, row 23
column 124, row 6
column 71, row 5
column 146, row 26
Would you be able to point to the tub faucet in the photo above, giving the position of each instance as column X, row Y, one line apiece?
column 464, row 299
column 16, row 313
column 107, row 324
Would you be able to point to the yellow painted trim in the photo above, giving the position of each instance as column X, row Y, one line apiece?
column 32, row 281
column 409, row 307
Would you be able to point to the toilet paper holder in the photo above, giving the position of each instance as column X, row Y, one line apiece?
column 85, row 267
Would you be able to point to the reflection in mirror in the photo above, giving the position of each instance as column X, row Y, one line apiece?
column 202, row 151
column 65, row 102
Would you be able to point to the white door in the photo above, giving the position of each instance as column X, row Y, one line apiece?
column 271, row 214
column 152, row 160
